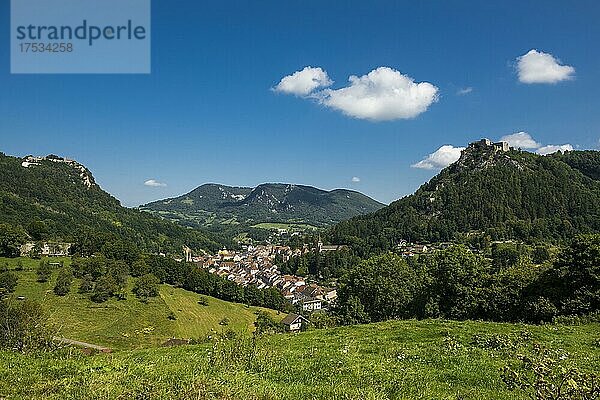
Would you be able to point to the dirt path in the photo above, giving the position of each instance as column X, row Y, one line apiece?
column 83, row 344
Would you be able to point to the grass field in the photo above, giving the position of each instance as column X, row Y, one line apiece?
column 393, row 360
column 129, row 324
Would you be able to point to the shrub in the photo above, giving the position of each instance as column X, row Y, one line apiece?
column 539, row 309
column 547, row 374
column 24, row 327
column 577, row 319
column 266, row 324
column 8, row 282
column 203, row 301
column 322, row 320
column 44, row 271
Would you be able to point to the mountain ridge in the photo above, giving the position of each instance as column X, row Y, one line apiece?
column 211, row 203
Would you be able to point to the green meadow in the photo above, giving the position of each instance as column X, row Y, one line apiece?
column 391, row 360
column 429, row 359
column 131, row 323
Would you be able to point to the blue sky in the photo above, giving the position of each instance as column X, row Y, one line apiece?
column 207, row 112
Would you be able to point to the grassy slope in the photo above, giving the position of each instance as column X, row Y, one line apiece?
column 130, row 323
column 393, row 360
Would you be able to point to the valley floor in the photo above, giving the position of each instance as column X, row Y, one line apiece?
column 392, row 360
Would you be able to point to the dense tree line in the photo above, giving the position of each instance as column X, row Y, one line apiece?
column 457, row 283
column 322, row 266
column 515, row 195
column 198, row 280
column 105, row 275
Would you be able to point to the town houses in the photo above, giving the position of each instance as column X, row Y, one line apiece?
column 255, row 265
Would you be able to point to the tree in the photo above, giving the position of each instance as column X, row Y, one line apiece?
column 253, row 295
column 505, row 254
column 87, row 284
column 105, row 288
column 540, row 254
column 505, row 291
column 88, row 242
column 458, row 280
column 11, row 239
column 63, row 282
column 146, row 286
column 121, row 250
column 119, row 270
column 44, row 271
column 37, row 229
column 94, row 266
column 384, row 287
column 351, row 311
column 265, row 323
column 8, row 282
column 139, row 268
column 573, row 282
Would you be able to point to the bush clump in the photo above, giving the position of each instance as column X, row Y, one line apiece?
column 24, row 327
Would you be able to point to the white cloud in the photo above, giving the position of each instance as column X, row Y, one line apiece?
column 304, row 82
column 463, row 91
column 539, row 67
column 552, row 148
column 441, row 158
column 524, row 140
column 384, row 94
column 154, row 183
column 521, row 140
column 355, row 179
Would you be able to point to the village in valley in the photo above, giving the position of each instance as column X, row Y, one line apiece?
column 256, row 265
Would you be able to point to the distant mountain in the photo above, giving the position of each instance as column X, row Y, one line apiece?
column 213, row 204
column 53, row 198
column 491, row 191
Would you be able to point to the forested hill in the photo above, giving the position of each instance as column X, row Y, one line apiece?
column 514, row 194
column 587, row 162
column 52, row 198
column 213, row 204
